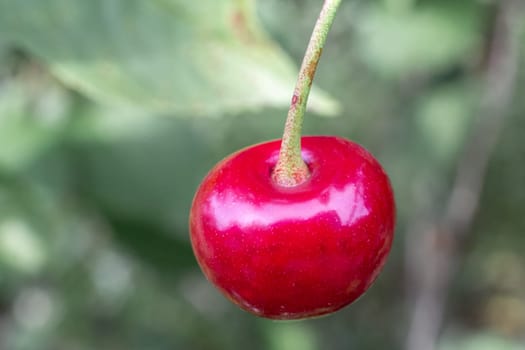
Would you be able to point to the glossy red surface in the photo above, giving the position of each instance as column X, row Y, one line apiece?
column 288, row 253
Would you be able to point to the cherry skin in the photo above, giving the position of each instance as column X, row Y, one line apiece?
column 294, row 252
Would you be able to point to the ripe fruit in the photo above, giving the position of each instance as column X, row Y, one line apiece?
column 294, row 252
column 295, row 228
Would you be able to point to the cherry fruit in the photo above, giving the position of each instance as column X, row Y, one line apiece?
column 298, row 227
column 288, row 252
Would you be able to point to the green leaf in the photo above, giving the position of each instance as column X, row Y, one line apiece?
column 169, row 56
column 481, row 341
column 20, row 246
column 291, row 336
column 32, row 116
column 26, row 229
column 430, row 37
column 444, row 117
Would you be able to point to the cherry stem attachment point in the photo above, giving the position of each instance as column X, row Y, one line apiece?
column 291, row 170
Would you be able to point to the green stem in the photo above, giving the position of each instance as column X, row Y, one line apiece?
column 291, row 170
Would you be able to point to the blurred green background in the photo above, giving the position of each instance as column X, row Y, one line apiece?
column 112, row 111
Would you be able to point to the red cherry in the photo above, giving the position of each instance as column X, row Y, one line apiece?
column 294, row 252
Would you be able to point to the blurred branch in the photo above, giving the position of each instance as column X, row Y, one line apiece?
column 433, row 247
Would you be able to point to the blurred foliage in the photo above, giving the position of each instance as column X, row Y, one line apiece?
column 159, row 55
column 99, row 162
